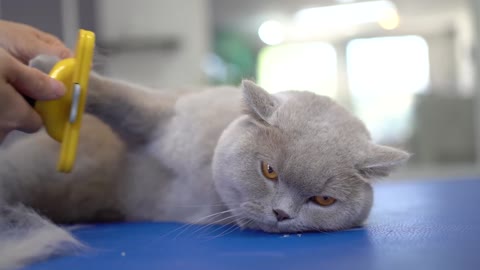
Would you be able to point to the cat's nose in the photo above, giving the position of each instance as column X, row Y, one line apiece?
column 281, row 215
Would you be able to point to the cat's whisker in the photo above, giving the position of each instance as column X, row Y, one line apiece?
column 244, row 226
column 197, row 221
column 232, row 224
column 232, row 229
column 241, row 223
column 224, row 225
column 209, row 220
column 194, row 205
column 214, row 223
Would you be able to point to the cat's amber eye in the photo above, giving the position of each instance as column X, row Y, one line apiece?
column 268, row 171
column 324, row 200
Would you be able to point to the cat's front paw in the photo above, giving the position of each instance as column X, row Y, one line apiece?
column 44, row 62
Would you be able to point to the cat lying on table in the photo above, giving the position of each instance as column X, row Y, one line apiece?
column 288, row 162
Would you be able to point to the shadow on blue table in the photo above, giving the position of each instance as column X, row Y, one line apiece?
column 413, row 225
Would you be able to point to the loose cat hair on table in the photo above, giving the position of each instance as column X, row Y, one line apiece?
column 287, row 162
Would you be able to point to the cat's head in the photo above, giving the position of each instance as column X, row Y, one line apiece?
column 297, row 161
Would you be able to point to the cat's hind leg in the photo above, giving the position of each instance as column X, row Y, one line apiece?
column 28, row 174
column 31, row 188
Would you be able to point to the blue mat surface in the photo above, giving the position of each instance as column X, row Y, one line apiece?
column 413, row 225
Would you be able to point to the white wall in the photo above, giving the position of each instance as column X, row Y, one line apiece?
column 70, row 22
column 146, row 21
column 441, row 47
column 475, row 15
column 464, row 42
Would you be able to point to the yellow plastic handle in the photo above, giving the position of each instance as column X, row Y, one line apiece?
column 63, row 117
column 55, row 113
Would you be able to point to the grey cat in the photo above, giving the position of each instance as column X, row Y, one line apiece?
column 287, row 162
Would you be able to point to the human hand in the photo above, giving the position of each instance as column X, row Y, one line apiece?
column 19, row 43
column 25, row 42
column 17, row 79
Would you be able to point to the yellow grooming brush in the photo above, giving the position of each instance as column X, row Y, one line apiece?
column 62, row 118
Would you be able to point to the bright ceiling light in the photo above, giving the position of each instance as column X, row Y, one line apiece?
column 345, row 1
column 390, row 20
column 347, row 14
column 271, row 32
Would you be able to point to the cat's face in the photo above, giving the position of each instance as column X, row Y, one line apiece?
column 298, row 162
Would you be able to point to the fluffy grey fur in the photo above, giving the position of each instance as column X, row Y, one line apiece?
column 195, row 157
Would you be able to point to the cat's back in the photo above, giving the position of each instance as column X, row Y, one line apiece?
column 199, row 119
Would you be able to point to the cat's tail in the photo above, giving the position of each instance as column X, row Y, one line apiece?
column 26, row 237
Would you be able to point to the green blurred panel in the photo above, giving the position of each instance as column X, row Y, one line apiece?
column 237, row 56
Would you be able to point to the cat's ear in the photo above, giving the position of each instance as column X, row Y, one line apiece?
column 380, row 160
column 260, row 104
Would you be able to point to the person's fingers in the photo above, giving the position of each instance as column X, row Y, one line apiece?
column 52, row 45
column 16, row 113
column 28, row 119
column 33, row 83
column 38, row 47
column 34, row 42
column 47, row 38
column 25, row 42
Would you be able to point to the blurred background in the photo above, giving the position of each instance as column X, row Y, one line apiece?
column 408, row 68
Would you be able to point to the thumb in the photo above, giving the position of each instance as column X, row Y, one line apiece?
column 33, row 83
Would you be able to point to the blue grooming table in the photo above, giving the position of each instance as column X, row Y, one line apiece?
column 413, row 225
